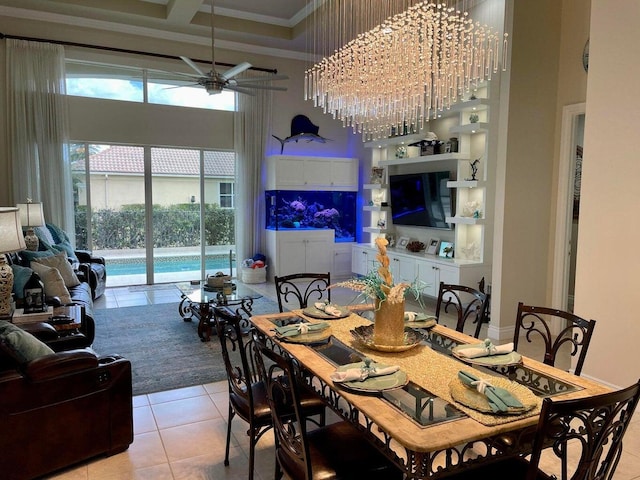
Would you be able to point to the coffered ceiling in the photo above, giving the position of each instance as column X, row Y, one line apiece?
column 274, row 27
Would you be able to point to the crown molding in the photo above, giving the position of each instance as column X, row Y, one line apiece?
column 69, row 20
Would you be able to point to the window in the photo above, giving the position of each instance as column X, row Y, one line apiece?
column 226, row 195
column 112, row 82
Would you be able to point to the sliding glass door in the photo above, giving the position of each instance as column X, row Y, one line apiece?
column 156, row 214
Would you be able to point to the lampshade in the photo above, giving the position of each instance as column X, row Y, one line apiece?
column 31, row 214
column 11, row 239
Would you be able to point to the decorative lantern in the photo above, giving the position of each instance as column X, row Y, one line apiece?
column 34, row 295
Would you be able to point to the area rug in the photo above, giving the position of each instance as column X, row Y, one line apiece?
column 165, row 351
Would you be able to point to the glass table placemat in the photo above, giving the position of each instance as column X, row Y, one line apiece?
column 415, row 402
column 541, row 384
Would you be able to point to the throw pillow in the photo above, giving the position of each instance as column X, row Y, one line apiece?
column 21, row 345
column 45, row 237
column 53, row 283
column 60, row 263
column 57, row 233
column 30, row 256
column 21, row 275
column 65, row 247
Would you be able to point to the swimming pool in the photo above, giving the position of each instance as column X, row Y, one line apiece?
column 137, row 266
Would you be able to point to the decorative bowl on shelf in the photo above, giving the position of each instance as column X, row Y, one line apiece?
column 415, row 246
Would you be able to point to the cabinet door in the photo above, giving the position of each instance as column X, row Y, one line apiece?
column 344, row 173
column 449, row 275
column 290, row 171
column 341, row 260
column 362, row 260
column 317, row 172
column 319, row 255
column 402, row 268
column 428, row 276
column 292, row 256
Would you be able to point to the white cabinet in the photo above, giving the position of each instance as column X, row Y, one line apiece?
column 402, row 268
column 341, row 260
column 299, row 251
column 288, row 172
column 362, row 258
column 429, row 270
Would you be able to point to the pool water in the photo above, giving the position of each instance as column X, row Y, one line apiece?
column 137, row 266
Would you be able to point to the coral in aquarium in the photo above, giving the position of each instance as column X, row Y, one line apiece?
column 313, row 210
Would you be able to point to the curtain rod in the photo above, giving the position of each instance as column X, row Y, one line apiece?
column 123, row 50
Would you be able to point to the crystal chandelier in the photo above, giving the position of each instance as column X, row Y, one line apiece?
column 395, row 63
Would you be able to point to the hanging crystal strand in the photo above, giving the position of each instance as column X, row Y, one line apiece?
column 504, row 52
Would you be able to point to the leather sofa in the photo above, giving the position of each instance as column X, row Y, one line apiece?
column 61, row 409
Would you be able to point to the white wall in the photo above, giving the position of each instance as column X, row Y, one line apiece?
column 608, row 265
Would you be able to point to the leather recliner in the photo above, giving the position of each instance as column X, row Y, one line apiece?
column 61, row 409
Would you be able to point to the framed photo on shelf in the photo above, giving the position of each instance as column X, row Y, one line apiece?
column 446, row 249
column 403, row 242
column 432, row 246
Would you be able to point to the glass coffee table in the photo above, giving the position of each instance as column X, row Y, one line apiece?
column 199, row 300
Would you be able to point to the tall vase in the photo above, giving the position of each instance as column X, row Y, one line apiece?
column 388, row 329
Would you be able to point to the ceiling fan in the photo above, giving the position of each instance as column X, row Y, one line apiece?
column 215, row 82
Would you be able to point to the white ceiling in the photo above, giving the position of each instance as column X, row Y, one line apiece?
column 274, row 27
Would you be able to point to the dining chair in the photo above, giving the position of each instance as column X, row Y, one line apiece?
column 335, row 451
column 302, row 287
column 247, row 393
column 468, row 303
column 536, row 324
column 576, row 439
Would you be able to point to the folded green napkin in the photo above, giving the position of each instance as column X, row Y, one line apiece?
column 500, row 400
column 361, row 373
column 484, row 349
column 300, row 328
column 417, row 317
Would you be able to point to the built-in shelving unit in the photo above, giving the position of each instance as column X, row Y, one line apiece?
column 468, row 121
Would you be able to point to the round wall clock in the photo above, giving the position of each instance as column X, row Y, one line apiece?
column 585, row 56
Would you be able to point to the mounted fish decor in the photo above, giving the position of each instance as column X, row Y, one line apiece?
column 301, row 129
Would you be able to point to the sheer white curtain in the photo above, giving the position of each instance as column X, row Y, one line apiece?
column 38, row 129
column 252, row 128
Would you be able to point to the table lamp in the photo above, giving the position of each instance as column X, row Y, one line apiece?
column 11, row 240
column 31, row 215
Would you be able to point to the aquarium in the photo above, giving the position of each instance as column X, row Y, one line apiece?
column 305, row 210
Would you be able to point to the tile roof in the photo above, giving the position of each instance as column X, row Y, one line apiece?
column 165, row 161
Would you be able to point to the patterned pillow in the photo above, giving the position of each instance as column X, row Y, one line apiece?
column 53, row 283
column 60, row 263
column 21, row 345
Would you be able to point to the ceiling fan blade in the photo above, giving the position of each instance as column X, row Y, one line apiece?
column 259, row 79
column 232, row 72
column 262, row 87
column 189, row 62
column 240, row 90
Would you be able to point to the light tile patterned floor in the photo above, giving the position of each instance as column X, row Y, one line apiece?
column 180, row 434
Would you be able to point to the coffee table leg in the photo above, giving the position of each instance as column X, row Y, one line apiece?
column 204, row 326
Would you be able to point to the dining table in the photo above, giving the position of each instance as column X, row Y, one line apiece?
column 423, row 424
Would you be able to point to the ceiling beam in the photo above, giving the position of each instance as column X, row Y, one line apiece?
column 182, row 11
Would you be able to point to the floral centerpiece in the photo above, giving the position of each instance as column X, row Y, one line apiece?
column 389, row 298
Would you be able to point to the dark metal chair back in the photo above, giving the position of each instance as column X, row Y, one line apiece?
column 469, row 304
column 303, row 287
column 246, row 392
column 536, row 324
column 589, row 430
column 283, row 395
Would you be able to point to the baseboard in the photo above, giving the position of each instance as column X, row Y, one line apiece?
column 501, row 334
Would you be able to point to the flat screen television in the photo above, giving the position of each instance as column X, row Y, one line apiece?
column 421, row 199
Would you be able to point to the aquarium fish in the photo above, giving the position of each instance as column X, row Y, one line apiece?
column 302, row 129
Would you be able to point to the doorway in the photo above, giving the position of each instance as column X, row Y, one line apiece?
column 568, row 205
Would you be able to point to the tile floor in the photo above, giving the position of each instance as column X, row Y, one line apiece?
column 180, row 434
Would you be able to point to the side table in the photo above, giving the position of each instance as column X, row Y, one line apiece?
column 199, row 301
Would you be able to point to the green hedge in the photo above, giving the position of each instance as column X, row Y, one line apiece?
column 173, row 226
